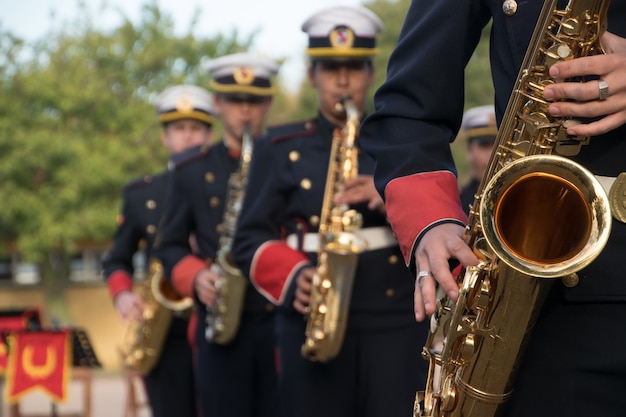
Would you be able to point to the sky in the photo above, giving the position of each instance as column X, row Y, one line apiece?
column 277, row 21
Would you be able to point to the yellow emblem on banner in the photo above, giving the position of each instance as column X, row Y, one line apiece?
column 39, row 371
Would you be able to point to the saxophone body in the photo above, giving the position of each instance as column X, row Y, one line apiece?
column 222, row 319
column 339, row 248
column 143, row 340
column 537, row 216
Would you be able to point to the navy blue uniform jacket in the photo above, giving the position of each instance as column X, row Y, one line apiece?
column 142, row 206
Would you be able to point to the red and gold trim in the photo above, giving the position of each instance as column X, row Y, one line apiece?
column 273, row 267
column 418, row 201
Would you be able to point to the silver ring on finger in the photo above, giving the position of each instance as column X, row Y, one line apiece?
column 603, row 90
column 422, row 274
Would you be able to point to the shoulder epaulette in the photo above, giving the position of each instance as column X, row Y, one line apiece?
column 139, row 182
column 292, row 130
column 190, row 155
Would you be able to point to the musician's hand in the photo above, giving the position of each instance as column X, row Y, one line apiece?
column 611, row 68
column 129, row 306
column 205, row 284
column 436, row 247
column 358, row 190
column 303, row 290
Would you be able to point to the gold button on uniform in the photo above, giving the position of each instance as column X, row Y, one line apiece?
column 151, row 204
column 151, row 229
column 509, row 7
column 214, row 202
column 209, row 177
column 294, row 156
column 269, row 307
column 314, row 220
column 393, row 259
column 306, row 184
column 390, row 292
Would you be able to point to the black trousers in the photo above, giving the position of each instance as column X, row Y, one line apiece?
column 239, row 379
column 575, row 364
column 376, row 373
column 170, row 385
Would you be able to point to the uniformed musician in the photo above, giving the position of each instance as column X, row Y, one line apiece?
column 186, row 115
column 479, row 130
column 238, row 378
column 378, row 368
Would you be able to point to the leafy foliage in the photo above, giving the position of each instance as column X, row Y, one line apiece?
column 78, row 123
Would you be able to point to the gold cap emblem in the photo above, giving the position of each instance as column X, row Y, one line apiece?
column 184, row 104
column 243, row 75
column 341, row 37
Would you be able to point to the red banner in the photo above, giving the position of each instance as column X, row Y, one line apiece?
column 4, row 355
column 39, row 360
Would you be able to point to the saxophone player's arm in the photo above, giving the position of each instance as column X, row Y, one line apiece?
column 582, row 99
column 418, row 113
column 118, row 262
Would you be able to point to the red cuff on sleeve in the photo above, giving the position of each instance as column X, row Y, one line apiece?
column 119, row 281
column 184, row 272
column 273, row 267
column 416, row 201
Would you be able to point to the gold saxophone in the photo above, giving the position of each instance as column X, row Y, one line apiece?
column 338, row 249
column 537, row 215
column 222, row 319
column 143, row 340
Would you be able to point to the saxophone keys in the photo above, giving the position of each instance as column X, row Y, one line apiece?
column 448, row 394
column 468, row 347
column 318, row 334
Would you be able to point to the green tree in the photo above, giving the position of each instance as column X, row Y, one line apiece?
column 77, row 123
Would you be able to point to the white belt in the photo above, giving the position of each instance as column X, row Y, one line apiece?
column 606, row 182
column 376, row 237
column 615, row 188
